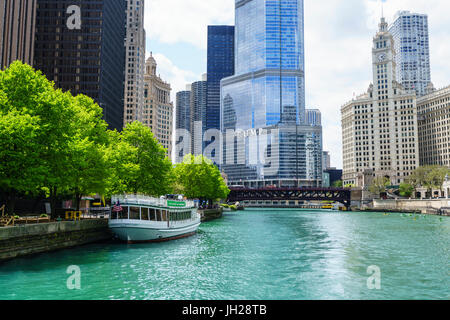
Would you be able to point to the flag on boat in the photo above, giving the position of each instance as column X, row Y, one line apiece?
column 117, row 207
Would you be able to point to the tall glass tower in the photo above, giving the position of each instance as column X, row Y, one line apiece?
column 220, row 65
column 265, row 99
column 411, row 39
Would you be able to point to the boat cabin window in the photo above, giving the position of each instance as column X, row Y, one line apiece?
column 124, row 213
column 158, row 215
column 134, row 213
column 180, row 216
column 152, row 214
column 165, row 215
column 113, row 215
column 144, row 214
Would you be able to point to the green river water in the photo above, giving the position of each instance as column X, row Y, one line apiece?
column 254, row 254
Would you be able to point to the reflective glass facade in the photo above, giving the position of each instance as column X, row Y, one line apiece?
column 198, row 116
column 183, row 107
column 267, row 92
column 313, row 117
column 220, row 65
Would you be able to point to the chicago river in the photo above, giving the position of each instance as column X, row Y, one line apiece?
column 254, row 254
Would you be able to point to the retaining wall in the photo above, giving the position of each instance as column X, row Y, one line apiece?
column 411, row 205
column 38, row 238
column 211, row 214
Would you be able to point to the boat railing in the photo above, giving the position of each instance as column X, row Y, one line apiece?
column 145, row 200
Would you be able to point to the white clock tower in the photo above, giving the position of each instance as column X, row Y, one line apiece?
column 383, row 61
column 380, row 134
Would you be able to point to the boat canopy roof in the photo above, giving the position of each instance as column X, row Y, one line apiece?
column 142, row 200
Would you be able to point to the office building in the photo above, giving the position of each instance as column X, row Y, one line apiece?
column 87, row 60
column 17, row 26
column 313, row 117
column 326, row 160
column 135, row 62
column 380, row 133
column 183, row 109
column 198, row 114
column 220, row 65
column 158, row 109
column 411, row 40
column 434, row 127
column 183, row 123
column 265, row 100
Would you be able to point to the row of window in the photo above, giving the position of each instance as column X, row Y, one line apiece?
column 150, row 214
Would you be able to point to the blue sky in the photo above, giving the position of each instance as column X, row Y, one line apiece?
column 338, row 42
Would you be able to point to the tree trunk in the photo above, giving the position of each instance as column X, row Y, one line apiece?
column 78, row 201
column 53, row 193
column 11, row 202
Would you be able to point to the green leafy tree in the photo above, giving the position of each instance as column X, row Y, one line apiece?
column 198, row 178
column 20, row 169
column 138, row 163
column 88, row 169
column 429, row 177
column 406, row 189
column 379, row 185
column 338, row 184
column 29, row 98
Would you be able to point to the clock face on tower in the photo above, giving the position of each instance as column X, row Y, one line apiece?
column 382, row 57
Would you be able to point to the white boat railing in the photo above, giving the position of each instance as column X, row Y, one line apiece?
column 148, row 201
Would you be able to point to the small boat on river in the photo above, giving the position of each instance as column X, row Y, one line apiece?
column 137, row 219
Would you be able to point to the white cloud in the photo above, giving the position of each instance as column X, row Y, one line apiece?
column 173, row 21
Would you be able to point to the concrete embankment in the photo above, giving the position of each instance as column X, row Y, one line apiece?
column 38, row 238
column 211, row 214
column 411, row 205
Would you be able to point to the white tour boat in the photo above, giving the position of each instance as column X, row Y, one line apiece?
column 136, row 218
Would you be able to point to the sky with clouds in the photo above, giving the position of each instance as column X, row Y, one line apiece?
column 338, row 44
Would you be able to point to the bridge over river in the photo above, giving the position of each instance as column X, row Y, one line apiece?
column 343, row 196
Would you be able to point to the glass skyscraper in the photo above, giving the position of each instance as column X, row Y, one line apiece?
column 220, row 65
column 183, row 120
column 411, row 40
column 265, row 100
column 313, row 117
column 198, row 115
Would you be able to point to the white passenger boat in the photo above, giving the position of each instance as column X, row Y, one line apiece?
column 137, row 219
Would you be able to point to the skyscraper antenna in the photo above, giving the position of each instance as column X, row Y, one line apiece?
column 382, row 9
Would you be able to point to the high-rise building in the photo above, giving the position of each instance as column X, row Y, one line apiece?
column 326, row 160
column 89, row 59
column 198, row 114
column 434, row 130
column 17, row 26
column 265, row 100
column 158, row 109
column 183, row 122
column 134, row 61
column 183, row 109
column 313, row 117
column 220, row 65
column 379, row 128
column 411, row 39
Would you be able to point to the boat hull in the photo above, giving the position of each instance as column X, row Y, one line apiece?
column 139, row 233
